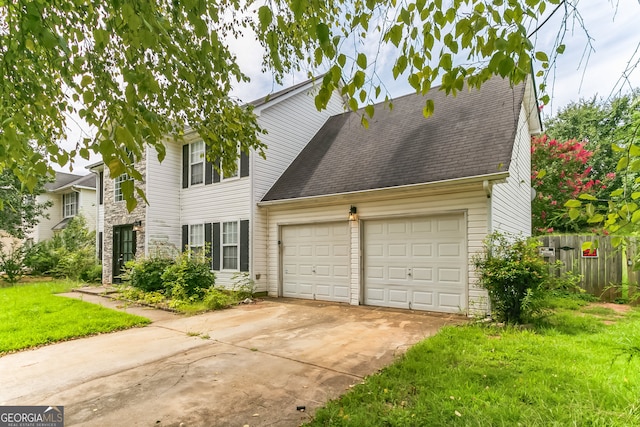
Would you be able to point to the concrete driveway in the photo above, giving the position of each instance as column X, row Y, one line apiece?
column 251, row 365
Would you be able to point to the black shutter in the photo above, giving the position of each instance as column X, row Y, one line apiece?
column 208, row 168
column 100, row 247
column 185, row 166
column 101, row 186
column 244, row 245
column 215, row 248
column 216, row 174
column 244, row 164
column 208, row 242
column 185, row 237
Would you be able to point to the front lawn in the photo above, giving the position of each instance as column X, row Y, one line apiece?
column 31, row 315
column 576, row 367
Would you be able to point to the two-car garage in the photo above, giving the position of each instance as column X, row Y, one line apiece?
column 415, row 262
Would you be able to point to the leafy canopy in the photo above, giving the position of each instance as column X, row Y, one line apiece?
column 139, row 73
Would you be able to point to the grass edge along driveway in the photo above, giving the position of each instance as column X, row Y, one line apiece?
column 32, row 315
column 577, row 366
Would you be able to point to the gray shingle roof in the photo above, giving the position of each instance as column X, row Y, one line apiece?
column 471, row 134
column 63, row 180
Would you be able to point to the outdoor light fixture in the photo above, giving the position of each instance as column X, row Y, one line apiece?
column 137, row 226
column 353, row 213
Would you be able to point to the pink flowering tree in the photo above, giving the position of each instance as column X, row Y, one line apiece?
column 560, row 172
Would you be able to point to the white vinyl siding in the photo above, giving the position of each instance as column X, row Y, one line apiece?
column 284, row 142
column 469, row 200
column 511, row 201
column 162, row 187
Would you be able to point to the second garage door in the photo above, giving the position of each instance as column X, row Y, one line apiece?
column 418, row 263
column 315, row 261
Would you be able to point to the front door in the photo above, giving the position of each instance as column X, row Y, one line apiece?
column 124, row 248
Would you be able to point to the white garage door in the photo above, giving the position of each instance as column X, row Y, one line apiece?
column 315, row 261
column 417, row 263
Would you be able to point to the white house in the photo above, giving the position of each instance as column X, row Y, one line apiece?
column 191, row 204
column 392, row 215
column 389, row 216
column 70, row 195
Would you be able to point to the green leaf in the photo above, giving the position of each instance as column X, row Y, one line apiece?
column 428, row 109
column 587, row 197
column 541, row 56
column 362, row 60
column 369, row 110
column 616, row 241
column 541, row 174
column 573, row 204
column 635, row 217
column 322, row 32
column 634, row 150
column 635, row 195
column 622, row 163
column 574, row 214
column 597, row 218
column 265, row 16
column 588, row 245
column 618, row 192
column 560, row 49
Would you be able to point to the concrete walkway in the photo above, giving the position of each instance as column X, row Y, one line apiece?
column 251, row 365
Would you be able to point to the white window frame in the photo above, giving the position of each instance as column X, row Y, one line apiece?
column 226, row 243
column 70, row 207
column 117, row 187
column 200, row 160
column 196, row 239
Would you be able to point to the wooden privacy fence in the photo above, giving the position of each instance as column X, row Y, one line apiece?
column 599, row 271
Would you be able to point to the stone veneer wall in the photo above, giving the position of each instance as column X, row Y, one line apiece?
column 116, row 213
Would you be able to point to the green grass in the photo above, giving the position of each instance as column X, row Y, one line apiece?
column 569, row 369
column 31, row 315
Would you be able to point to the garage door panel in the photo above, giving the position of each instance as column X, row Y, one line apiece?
column 417, row 263
column 316, row 261
column 449, row 250
column 421, row 250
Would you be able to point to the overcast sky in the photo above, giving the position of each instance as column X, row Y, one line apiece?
column 583, row 71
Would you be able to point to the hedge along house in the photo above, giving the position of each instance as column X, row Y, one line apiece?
column 392, row 215
column 191, row 205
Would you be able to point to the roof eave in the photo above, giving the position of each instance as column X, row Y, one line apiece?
column 498, row 176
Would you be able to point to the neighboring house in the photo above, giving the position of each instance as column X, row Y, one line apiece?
column 70, row 195
column 192, row 205
column 392, row 215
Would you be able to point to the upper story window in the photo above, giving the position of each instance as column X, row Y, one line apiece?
column 196, row 169
column 196, row 162
column 70, row 204
column 117, row 187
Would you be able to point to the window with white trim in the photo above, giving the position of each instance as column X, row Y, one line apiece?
column 196, row 162
column 117, row 187
column 230, row 250
column 70, row 204
column 196, row 239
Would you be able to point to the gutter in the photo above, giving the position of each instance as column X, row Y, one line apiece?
column 435, row 184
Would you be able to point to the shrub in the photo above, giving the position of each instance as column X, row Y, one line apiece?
column 146, row 273
column 188, row 279
column 92, row 274
column 243, row 286
column 215, row 299
column 12, row 263
column 515, row 276
column 69, row 253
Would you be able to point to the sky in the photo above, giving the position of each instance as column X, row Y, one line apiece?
column 591, row 66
